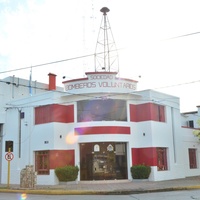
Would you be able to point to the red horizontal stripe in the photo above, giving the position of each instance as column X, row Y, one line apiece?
column 102, row 130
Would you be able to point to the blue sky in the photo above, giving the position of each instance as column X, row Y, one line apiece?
column 39, row 31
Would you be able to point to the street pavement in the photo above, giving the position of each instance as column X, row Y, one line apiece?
column 109, row 187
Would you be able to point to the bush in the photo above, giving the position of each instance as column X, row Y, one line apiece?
column 67, row 173
column 140, row 171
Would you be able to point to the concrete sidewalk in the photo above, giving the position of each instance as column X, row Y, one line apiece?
column 110, row 187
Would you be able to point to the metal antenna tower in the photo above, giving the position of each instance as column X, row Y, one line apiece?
column 106, row 56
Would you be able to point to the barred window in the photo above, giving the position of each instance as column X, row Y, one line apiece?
column 192, row 158
column 42, row 162
column 162, row 159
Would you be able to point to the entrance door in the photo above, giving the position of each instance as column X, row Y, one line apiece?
column 103, row 161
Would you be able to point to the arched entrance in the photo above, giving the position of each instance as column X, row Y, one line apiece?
column 103, row 161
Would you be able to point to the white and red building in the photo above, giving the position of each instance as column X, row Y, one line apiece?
column 103, row 125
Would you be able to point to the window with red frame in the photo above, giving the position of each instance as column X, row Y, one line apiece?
column 42, row 162
column 162, row 159
column 159, row 113
column 192, row 158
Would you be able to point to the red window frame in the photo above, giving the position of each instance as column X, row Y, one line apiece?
column 192, row 158
column 159, row 112
column 162, row 159
column 42, row 162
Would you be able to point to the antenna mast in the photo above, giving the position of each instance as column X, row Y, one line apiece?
column 106, row 56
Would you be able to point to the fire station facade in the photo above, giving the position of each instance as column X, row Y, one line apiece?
column 103, row 125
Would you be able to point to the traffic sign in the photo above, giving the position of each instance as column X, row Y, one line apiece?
column 9, row 156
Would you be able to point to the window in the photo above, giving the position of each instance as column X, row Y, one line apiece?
column 191, row 123
column 54, row 113
column 102, row 110
column 42, row 162
column 162, row 159
column 192, row 158
column 159, row 113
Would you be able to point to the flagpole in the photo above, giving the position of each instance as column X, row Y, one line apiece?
column 30, row 82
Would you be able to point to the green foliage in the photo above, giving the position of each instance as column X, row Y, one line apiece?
column 140, row 171
column 67, row 173
column 197, row 132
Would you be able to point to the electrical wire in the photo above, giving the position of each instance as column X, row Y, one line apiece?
column 83, row 56
column 180, row 84
column 58, row 61
column 180, row 36
column 91, row 97
column 48, row 63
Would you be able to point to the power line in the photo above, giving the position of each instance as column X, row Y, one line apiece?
column 55, row 62
column 86, row 95
column 91, row 96
column 49, row 63
column 180, row 84
column 43, row 88
column 180, row 36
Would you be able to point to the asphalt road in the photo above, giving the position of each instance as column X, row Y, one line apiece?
column 175, row 195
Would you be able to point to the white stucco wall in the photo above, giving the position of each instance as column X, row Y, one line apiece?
column 49, row 136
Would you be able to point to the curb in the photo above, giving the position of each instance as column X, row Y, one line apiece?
column 47, row 192
column 85, row 192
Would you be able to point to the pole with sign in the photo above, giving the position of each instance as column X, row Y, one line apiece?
column 9, row 156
